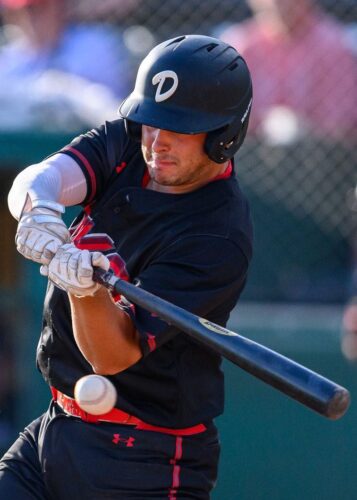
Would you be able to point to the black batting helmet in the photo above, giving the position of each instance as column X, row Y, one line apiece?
column 193, row 84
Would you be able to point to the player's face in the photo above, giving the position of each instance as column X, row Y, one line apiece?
column 176, row 162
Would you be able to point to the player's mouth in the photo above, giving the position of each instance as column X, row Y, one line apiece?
column 162, row 161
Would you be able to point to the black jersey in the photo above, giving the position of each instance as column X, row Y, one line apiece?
column 191, row 249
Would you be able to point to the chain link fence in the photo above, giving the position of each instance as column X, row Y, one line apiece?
column 297, row 166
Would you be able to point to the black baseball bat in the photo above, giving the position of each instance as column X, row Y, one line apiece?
column 298, row 382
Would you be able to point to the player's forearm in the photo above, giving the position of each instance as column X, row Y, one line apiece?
column 56, row 182
column 104, row 334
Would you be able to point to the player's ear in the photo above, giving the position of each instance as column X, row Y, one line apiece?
column 133, row 130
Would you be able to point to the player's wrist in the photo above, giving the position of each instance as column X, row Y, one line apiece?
column 50, row 205
column 43, row 211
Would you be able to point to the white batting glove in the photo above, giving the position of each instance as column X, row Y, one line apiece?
column 71, row 269
column 40, row 233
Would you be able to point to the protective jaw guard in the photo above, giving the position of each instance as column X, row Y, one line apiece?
column 212, row 93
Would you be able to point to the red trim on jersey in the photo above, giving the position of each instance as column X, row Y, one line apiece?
column 82, row 228
column 151, row 341
column 176, row 469
column 120, row 167
column 225, row 174
column 94, row 241
column 117, row 265
column 89, row 168
column 145, row 179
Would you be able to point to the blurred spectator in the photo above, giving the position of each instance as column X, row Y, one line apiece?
column 92, row 9
column 349, row 330
column 125, row 15
column 48, row 58
column 349, row 318
column 304, row 71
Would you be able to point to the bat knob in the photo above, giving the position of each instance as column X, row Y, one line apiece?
column 339, row 403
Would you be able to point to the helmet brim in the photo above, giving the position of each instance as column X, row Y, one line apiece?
column 169, row 117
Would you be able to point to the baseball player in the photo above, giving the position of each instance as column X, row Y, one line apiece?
column 162, row 207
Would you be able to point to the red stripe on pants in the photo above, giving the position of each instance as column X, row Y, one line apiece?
column 176, row 469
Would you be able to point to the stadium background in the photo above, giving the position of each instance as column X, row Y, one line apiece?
column 304, row 211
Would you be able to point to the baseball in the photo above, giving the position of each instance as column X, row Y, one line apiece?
column 95, row 394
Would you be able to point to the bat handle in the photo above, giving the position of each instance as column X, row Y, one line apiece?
column 106, row 278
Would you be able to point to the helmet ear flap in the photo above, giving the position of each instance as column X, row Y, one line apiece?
column 133, row 130
column 221, row 145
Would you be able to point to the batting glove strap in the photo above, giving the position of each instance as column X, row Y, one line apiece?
column 71, row 269
column 40, row 233
column 52, row 205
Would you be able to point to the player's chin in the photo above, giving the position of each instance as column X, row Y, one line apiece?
column 165, row 180
column 164, row 175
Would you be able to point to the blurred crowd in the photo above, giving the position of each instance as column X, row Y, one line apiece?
column 303, row 67
column 66, row 64
column 63, row 64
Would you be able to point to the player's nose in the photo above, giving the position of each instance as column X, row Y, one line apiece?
column 161, row 140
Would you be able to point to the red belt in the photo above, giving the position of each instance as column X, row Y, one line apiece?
column 116, row 416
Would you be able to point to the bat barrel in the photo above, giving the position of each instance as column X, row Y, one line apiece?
column 297, row 381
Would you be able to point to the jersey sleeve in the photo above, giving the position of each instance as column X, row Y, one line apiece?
column 204, row 275
column 98, row 152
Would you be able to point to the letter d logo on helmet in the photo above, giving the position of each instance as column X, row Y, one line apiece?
column 161, row 78
column 193, row 84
